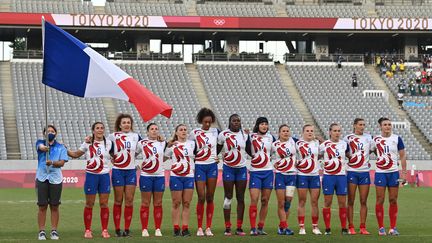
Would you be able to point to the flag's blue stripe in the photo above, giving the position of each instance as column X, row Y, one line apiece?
column 65, row 65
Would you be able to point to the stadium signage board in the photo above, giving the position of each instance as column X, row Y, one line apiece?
column 193, row 22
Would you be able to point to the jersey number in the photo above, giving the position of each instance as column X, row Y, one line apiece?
column 386, row 149
column 337, row 152
column 360, row 146
column 99, row 151
column 154, row 150
column 309, row 151
column 186, row 152
column 128, row 144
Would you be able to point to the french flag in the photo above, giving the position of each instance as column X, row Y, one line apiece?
column 74, row 68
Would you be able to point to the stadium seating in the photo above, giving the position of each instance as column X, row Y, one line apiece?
column 3, row 153
column 71, row 115
column 250, row 90
column 334, row 11
column 421, row 115
column 329, row 96
column 147, row 8
column 404, row 11
column 170, row 82
column 235, row 9
column 53, row 6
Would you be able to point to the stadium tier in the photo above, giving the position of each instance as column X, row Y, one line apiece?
column 404, row 11
column 334, row 11
column 328, row 93
column 170, row 82
column 250, row 90
column 236, row 9
column 53, row 6
column 73, row 116
column 145, row 8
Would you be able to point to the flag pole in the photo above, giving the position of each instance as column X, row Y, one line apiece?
column 47, row 154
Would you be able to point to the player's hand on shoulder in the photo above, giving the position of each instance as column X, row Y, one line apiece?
column 88, row 139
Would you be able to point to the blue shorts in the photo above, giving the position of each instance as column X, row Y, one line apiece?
column 179, row 183
column 310, row 182
column 282, row 181
column 152, row 183
column 261, row 179
column 358, row 178
column 387, row 179
column 204, row 172
column 97, row 183
column 332, row 183
column 234, row 174
column 123, row 177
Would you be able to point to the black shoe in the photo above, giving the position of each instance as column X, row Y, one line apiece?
column 227, row 232
column 177, row 232
column 240, row 232
column 345, row 232
column 118, row 233
column 126, row 233
column 327, row 232
column 186, row 233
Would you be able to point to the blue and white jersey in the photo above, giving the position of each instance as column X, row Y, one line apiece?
column 261, row 146
column 182, row 158
column 206, row 145
column 307, row 158
column 284, row 156
column 124, row 145
column 98, row 156
column 388, row 153
column 153, row 155
column 334, row 157
column 360, row 147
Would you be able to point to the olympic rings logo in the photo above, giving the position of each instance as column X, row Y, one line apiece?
column 219, row 21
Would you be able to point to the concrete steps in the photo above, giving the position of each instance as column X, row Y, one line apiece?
column 298, row 101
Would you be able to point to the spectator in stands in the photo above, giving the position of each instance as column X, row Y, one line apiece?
column 354, row 80
column 339, row 62
column 393, row 67
column 389, row 74
column 400, row 98
column 412, row 88
column 418, row 76
column 51, row 157
column 424, row 77
column 429, row 90
column 402, row 66
column 378, row 61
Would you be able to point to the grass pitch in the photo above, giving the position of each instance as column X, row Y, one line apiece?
column 18, row 223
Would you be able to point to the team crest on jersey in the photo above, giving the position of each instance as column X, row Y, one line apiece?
column 203, row 146
column 95, row 163
column 384, row 161
column 286, row 161
column 358, row 157
column 122, row 156
column 306, row 163
column 232, row 156
column 182, row 165
column 261, row 157
column 150, row 163
column 333, row 165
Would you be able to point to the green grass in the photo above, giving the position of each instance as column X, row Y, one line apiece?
column 18, row 220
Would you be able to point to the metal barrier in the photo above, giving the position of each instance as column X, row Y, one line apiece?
column 376, row 93
column 310, row 57
column 250, row 57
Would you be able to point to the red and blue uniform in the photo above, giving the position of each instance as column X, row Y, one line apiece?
column 334, row 166
column 307, row 164
column 234, row 157
column 284, row 160
column 387, row 165
column 98, row 167
column 206, row 153
column 152, row 175
column 182, row 168
column 261, row 170
column 360, row 147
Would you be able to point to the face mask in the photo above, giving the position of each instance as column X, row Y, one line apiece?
column 51, row 137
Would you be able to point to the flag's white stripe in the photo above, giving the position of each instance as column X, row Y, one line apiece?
column 103, row 77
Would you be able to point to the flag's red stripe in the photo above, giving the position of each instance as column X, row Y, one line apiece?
column 148, row 104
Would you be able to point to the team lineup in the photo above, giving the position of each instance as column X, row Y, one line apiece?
column 285, row 164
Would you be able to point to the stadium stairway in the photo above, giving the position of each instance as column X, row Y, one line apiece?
column 191, row 8
column 198, row 86
column 111, row 112
column 393, row 102
column 5, row 5
column 288, row 83
column 9, row 112
column 280, row 10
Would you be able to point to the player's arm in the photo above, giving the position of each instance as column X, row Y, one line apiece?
column 402, row 156
column 75, row 153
